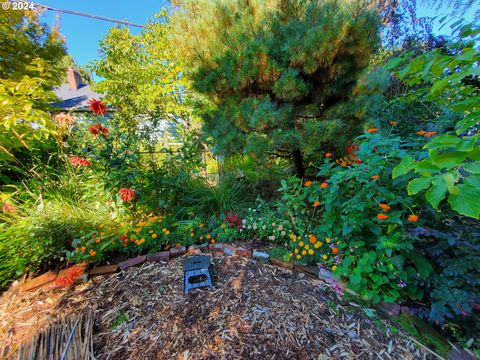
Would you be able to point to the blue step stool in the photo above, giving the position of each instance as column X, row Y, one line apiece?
column 197, row 273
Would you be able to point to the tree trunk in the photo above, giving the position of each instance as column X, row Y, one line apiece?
column 298, row 162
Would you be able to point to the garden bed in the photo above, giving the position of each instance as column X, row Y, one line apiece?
column 255, row 310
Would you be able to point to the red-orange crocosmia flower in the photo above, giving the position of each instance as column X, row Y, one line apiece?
column 127, row 194
column 382, row 216
column 375, row 177
column 430, row 133
column 327, row 155
column 358, row 161
column 412, row 217
column 9, row 208
column 323, row 185
column 335, row 250
column 97, row 106
column 97, row 129
column 79, row 161
column 316, row 203
column 372, row 130
column 312, row 239
column 64, row 119
column 384, row 207
column 393, row 122
column 421, row 132
column 308, row 183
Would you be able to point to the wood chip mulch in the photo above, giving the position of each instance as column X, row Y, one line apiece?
column 256, row 311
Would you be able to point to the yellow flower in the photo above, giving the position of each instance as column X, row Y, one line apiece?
column 164, row 230
column 327, row 240
column 192, row 234
column 334, row 267
column 294, row 239
column 150, row 232
column 307, row 247
column 310, row 252
column 301, row 244
column 201, row 225
column 317, row 245
column 101, row 226
column 291, row 254
column 304, row 252
column 167, row 232
column 299, row 257
column 138, row 230
column 154, row 236
column 296, row 251
column 324, row 257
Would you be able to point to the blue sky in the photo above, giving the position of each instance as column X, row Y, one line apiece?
column 83, row 34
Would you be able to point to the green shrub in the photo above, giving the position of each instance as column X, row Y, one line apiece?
column 359, row 223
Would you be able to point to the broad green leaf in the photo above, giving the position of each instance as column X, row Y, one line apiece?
column 473, row 167
column 443, row 142
column 393, row 63
column 406, row 165
column 437, row 191
column 426, row 167
column 438, row 85
column 450, row 180
column 466, row 144
column 466, row 201
column 449, row 160
column 418, row 184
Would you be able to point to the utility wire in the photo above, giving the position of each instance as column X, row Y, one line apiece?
column 88, row 15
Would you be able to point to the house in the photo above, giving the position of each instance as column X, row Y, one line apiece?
column 74, row 94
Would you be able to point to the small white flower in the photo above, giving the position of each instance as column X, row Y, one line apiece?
column 264, row 227
column 273, row 224
column 284, row 233
column 249, row 227
column 244, row 221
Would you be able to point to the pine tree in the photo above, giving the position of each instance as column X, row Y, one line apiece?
column 277, row 71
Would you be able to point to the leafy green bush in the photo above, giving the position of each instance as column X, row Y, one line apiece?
column 356, row 220
column 41, row 227
column 450, row 166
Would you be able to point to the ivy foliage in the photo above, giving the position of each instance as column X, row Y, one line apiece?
column 450, row 167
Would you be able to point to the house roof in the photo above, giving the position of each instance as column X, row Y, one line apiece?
column 74, row 99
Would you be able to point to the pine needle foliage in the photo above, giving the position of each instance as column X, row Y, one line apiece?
column 274, row 69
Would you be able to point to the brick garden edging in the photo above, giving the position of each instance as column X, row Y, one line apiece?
column 49, row 278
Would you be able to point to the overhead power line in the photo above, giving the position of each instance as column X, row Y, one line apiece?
column 78, row 13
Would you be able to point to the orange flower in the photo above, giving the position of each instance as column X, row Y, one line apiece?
column 384, row 207
column 212, row 241
column 316, row 203
column 97, row 106
column 412, row 217
column 421, row 132
column 308, row 183
column 79, row 161
column 312, row 239
column 382, row 216
column 97, row 129
column 178, row 245
column 327, row 155
column 127, row 194
column 93, row 252
column 430, row 133
column 393, row 122
column 323, row 185
column 335, row 250
column 372, row 130
column 375, row 177
column 83, row 248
